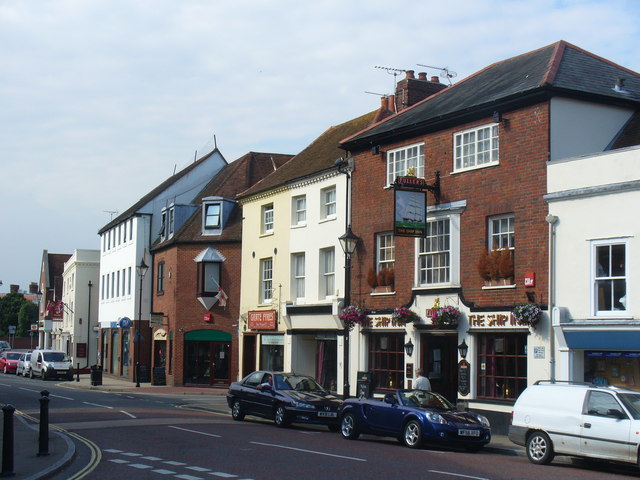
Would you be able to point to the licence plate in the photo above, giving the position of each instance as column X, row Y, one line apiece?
column 327, row 414
column 468, row 433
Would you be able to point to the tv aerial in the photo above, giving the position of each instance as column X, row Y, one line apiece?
column 392, row 71
column 444, row 72
column 111, row 212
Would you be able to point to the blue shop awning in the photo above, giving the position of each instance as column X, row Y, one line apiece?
column 603, row 339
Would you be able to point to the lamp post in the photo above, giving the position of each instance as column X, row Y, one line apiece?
column 142, row 271
column 463, row 348
column 348, row 242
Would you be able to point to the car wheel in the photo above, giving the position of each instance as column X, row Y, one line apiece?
column 348, row 427
column 412, row 434
column 236, row 411
column 43, row 374
column 280, row 416
column 539, row 448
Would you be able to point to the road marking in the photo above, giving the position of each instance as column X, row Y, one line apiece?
column 98, row 405
column 189, row 477
column 195, row 431
column 457, row 475
column 223, row 475
column 130, row 454
column 153, row 459
column 174, row 463
column 8, row 385
column 309, row 451
column 198, row 469
column 112, row 450
column 140, row 466
column 60, row 396
column 118, row 460
column 162, row 471
column 127, row 413
column 29, row 390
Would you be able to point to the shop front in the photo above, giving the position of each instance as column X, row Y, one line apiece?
column 314, row 331
column 207, row 357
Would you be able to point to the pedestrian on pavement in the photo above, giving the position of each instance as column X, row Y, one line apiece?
column 422, row 382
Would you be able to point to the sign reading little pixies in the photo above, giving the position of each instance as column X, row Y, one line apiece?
column 493, row 320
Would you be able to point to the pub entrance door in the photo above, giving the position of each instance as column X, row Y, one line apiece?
column 439, row 354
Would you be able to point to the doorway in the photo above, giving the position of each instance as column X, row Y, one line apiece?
column 207, row 363
column 439, row 361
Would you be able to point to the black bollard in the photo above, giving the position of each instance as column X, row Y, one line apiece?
column 43, row 439
column 78, row 373
column 7, row 441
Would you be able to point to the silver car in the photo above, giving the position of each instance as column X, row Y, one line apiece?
column 24, row 363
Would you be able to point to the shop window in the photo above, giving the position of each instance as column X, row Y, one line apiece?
column 386, row 360
column 619, row 369
column 502, row 365
column 609, row 277
column 272, row 352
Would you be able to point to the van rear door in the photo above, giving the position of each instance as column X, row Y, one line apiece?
column 604, row 434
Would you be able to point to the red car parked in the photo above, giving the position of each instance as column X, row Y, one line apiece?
column 9, row 361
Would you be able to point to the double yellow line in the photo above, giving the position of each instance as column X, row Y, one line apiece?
column 96, row 453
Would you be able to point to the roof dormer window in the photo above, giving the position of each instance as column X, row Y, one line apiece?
column 212, row 216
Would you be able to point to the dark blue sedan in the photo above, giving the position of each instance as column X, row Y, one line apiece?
column 284, row 397
column 414, row 417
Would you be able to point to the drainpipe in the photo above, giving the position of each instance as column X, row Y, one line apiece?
column 551, row 220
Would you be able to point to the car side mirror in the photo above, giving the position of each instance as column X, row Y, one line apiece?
column 614, row 412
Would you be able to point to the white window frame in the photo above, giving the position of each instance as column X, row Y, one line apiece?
column 476, row 148
column 385, row 251
column 206, row 226
column 401, row 160
column 327, row 272
column 268, row 218
column 500, row 238
column 452, row 253
column 171, row 219
column 299, row 210
column 163, row 226
column 298, row 275
column 597, row 275
column 328, row 199
column 266, row 280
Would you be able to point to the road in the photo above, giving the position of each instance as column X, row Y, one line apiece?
column 194, row 438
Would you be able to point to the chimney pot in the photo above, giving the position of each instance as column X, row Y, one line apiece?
column 435, row 79
column 392, row 103
column 422, row 76
column 384, row 102
column 410, row 74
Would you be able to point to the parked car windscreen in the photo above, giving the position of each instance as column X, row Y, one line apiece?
column 632, row 402
column 13, row 355
column 424, row 399
column 55, row 357
column 297, row 382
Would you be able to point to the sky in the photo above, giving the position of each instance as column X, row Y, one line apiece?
column 102, row 100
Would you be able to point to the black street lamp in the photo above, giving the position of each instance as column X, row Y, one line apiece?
column 348, row 242
column 463, row 348
column 142, row 271
column 408, row 348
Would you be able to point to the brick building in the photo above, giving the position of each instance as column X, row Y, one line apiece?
column 479, row 150
column 196, row 284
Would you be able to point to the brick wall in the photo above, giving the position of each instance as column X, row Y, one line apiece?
column 515, row 186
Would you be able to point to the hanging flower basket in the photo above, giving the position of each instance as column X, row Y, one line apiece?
column 446, row 317
column 353, row 315
column 403, row 315
column 527, row 314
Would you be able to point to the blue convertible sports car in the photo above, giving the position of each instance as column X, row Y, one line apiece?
column 285, row 398
column 414, row 417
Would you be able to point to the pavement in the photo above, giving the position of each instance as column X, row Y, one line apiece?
column 28, row 464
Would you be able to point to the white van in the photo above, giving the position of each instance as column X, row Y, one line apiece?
column 578, row 419
column 50, row 364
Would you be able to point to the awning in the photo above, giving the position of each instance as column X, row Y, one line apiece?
column 208, row 336
column 603, row 339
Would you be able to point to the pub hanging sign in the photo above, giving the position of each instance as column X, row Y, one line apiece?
column 410, row 204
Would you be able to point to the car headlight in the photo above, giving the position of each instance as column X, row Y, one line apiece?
column 308, row 406
column 436, row 418
column 484, row 421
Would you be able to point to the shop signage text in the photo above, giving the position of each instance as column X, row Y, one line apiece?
column 382, row 322
column 262, row 319
column 493, row 320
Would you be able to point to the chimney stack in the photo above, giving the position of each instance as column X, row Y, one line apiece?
column 411, row 90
